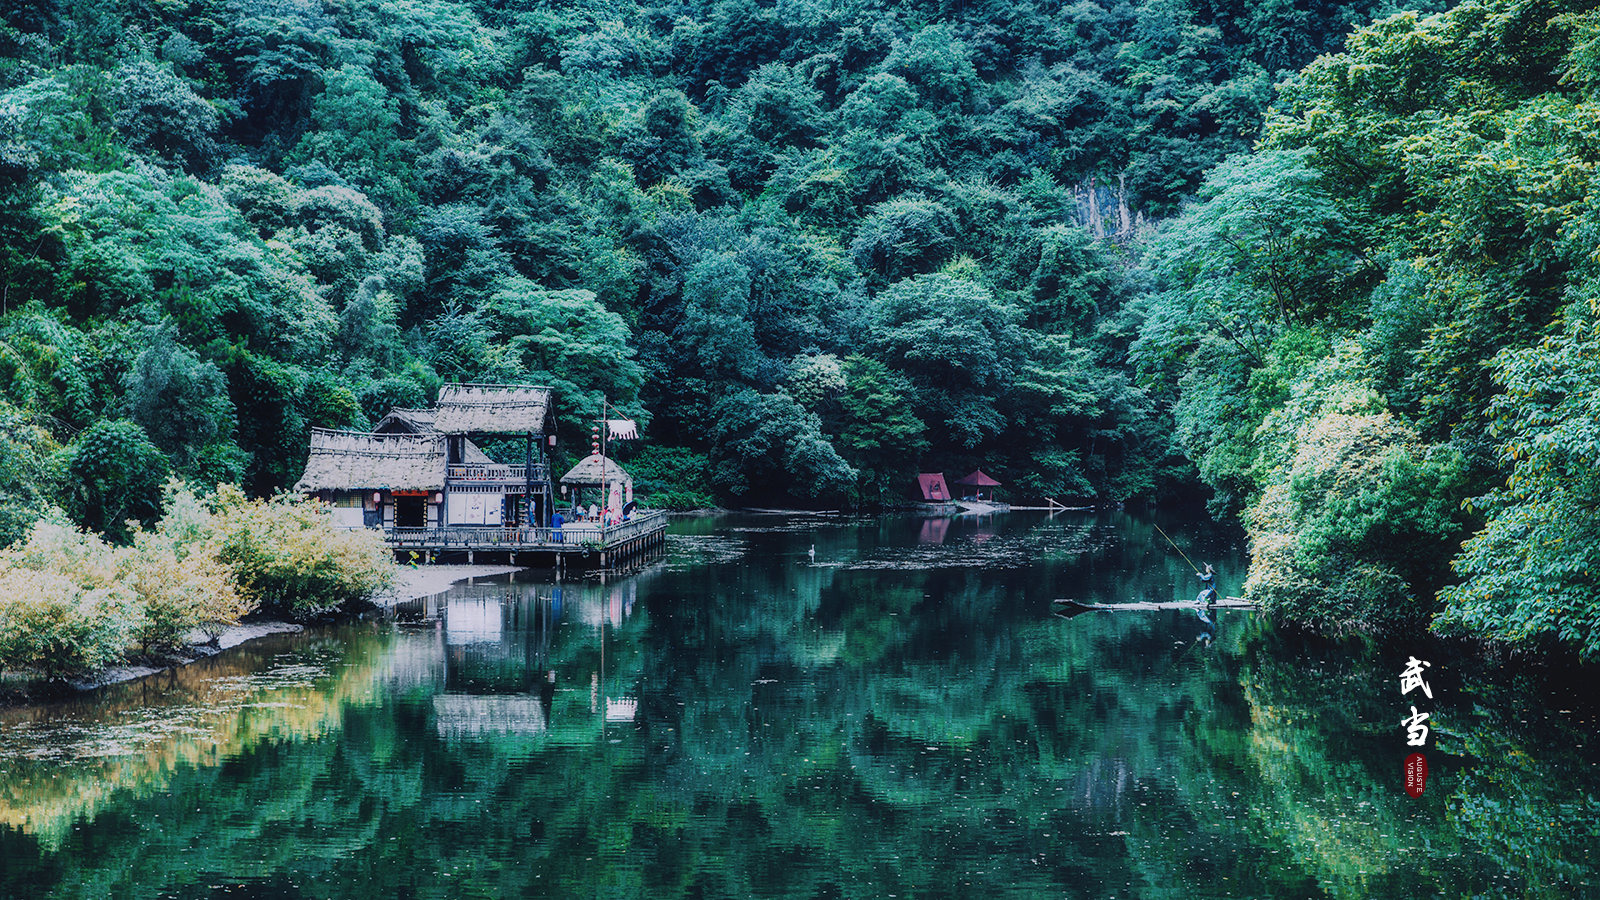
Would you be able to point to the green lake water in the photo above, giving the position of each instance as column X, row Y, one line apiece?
column 901, row 716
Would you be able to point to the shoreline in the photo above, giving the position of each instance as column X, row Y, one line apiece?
column 410, row 583
column 416, row 582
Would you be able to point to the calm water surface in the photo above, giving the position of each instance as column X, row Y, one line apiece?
column 901, row 716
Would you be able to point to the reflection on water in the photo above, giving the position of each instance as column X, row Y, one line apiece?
column 899, row 713
column 984, row 545
column 692, row 551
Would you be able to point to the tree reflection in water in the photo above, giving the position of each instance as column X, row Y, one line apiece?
column 896, row 716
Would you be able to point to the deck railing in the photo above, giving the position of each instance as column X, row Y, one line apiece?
column 643, row 523
column 465, row 537
column 573, row 535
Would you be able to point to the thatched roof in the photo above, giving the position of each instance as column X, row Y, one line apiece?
column 492, row 409
column 420, row 421
column 349, row 460
column 472, row 456
column 405, row 421
column 594, row 469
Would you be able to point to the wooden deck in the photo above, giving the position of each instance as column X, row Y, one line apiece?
column 579, row 543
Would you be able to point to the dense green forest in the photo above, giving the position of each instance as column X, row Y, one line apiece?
column 1107, row 250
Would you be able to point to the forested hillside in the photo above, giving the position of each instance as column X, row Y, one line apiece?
column 815, row 243
column 818, row 246
column 1378, row 333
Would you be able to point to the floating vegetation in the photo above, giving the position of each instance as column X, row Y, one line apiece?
column 987, row 549
column 687, row 551
column 797, row 525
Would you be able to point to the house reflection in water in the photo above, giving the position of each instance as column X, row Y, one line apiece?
column 500, row 674
column 604, row 604
column 934, row 531
column 601, row 605
column 497, row 681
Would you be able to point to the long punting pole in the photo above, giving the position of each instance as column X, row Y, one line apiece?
column 1180, row 552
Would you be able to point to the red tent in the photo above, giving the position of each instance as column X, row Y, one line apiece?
column 978, row 481
column 933, row 487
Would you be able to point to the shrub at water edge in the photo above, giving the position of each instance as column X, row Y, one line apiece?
column 290, row 559
column 63, row 608
column 54, row 626
column 70, row 603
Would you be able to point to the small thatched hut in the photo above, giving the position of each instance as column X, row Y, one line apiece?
column 607, row 479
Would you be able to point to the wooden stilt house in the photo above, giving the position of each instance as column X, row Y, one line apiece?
column 480, row 491
column 420, row 468
column 419, row 477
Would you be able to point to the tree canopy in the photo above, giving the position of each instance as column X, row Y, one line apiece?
column 819, row 247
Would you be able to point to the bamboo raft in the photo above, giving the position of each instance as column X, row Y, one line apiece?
column 1073, row 607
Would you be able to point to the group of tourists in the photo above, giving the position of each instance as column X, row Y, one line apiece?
column 605, row 516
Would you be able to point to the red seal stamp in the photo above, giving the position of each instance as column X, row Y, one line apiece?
column 1416, row 774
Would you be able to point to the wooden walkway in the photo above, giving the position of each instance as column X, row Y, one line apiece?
column 577, row 544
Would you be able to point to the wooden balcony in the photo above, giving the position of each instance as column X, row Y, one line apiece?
column 494, row 474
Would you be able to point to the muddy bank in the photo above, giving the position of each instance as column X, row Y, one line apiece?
column 414, row 583
column 199, row 647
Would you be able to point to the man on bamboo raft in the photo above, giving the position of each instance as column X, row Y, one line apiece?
column 1208, row 586
column 1208, row 592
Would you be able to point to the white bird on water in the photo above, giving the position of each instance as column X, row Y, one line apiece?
column 812, row 553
